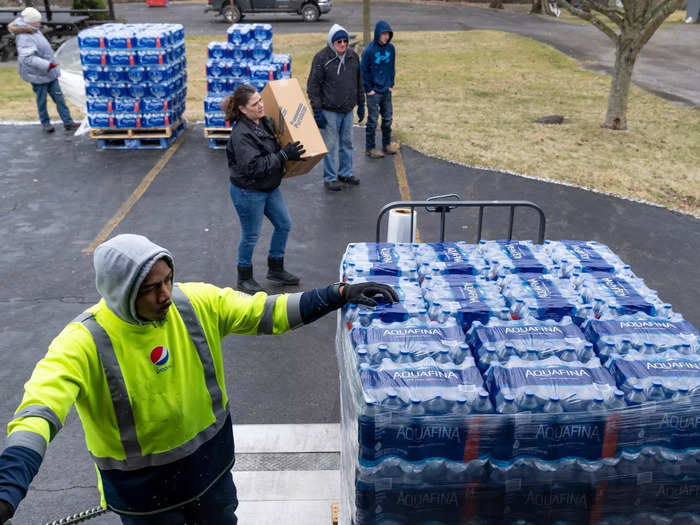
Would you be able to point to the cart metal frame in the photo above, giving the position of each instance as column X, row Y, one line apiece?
column 442, row 205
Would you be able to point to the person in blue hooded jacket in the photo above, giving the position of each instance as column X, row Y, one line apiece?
column 378, row 66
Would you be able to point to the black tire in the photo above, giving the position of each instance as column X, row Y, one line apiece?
column 310, row 12
column 232, row 17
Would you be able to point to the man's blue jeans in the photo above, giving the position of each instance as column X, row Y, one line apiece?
column 338, row 138
column 379, row 103
column 251, row 205
column 217, row 506
column 54, row 89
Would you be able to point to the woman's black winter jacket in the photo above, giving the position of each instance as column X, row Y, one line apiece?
column 254, row 158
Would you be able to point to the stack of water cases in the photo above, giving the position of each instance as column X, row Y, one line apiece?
column 135, row 75
column 245, row 58
column 515, row 383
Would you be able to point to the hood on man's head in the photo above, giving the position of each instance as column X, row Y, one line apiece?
column 121, row 265
column 336, row 33
column 382, row 27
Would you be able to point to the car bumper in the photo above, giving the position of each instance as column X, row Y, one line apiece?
column 325, row 7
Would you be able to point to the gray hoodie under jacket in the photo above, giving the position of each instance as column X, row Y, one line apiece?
column 121, row 265
column 34, row 54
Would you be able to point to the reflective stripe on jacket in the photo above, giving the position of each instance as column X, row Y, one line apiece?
column 148, row 395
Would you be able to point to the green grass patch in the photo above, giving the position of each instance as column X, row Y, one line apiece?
column 472, row 97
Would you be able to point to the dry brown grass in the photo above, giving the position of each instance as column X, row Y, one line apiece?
column 471, row 97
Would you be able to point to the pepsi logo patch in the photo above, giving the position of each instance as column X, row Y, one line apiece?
column 160, row 355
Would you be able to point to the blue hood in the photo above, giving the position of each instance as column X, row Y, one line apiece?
column 382, row 27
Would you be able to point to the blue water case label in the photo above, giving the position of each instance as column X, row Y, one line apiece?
column 653, row 326
column 590, row 259
column 500, row 377
column 550, row 302
column 430, row 376
column 484, row 335
column 626, row 295
column 522, row 258
column 413, row 335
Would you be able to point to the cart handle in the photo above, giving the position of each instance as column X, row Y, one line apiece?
column 444, row 206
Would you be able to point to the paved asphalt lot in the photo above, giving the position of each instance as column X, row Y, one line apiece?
column 57, row 192
column 50, row 215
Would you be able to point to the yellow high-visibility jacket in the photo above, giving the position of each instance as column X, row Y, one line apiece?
column 155, row 408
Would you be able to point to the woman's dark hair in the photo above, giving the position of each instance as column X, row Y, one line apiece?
column 240, row 97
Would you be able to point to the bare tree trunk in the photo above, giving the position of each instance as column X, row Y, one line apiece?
column 536, row 8
column 625, row 57
column 366, row 29
column 496, row 4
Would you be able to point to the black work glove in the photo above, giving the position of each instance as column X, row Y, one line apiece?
column 363, row 293
column 360, row 112
column 320, row 118
column 293, row 151
column 6, row 511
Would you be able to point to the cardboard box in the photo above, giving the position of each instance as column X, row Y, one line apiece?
column 286, row 104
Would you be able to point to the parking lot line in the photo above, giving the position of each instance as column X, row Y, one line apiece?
column 135, row 195
column 404, row 190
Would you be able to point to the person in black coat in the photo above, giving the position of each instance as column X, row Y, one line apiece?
column 256, row 163
column 335, row 88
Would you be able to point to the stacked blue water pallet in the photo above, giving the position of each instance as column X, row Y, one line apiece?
column 135, row 76
column 245, row 58
column 515, row 383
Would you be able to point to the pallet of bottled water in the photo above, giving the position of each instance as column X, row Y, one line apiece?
column 245, row 57
column 515, row 382
column 135, row 77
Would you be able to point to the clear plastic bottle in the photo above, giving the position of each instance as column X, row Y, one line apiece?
column 553, row 406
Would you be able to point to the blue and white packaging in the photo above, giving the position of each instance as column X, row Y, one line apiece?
column 239, row 34
column 284, row 62
column 556, row 386
column 213, row 103
column 215, row 119
column 383, row 252
column 644, row 334
column 219, row 50
column 589, row 256
column 614, row 296
column 507, row 257
column 261, row 32
column 411, row 342
column 505, row 340
column 260, row 51
column 263, row 71
column 540, row 296
column 138, row 62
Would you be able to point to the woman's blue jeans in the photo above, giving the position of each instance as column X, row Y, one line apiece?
column 251, row 205
column 54, row 90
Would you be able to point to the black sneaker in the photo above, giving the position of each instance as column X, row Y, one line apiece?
column 332, row 185
column 352, row 180
column 72, row 126
column 48, row 128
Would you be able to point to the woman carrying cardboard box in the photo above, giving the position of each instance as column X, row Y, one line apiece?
column 256, row 163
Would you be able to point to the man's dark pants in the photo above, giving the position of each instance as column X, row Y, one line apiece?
column 217, row 506
column 378, row 104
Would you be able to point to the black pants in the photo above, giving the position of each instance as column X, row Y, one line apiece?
column 217, row 506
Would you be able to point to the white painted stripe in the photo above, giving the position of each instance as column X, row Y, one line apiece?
column 286, row 512
column 25, row 122
column 261, row 439
column 288, row 485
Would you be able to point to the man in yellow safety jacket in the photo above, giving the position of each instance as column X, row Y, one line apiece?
column 144, row 370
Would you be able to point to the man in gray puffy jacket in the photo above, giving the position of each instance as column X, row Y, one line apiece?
column 37, row 65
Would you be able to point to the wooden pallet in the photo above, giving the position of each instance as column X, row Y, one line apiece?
column 334, row 513
column 140, row 141
column 217, row 133
column 134, row 133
